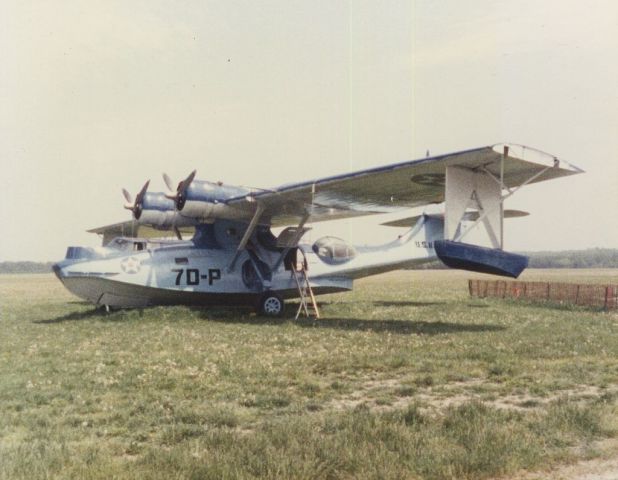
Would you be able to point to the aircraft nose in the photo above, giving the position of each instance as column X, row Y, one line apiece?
column 57, row 271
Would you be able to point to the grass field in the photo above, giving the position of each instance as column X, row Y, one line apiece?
column 406, row 377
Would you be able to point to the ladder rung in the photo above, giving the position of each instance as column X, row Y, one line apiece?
column 303, row 287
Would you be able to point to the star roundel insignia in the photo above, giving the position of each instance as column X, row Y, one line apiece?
column 130, row 265
column 429, row 179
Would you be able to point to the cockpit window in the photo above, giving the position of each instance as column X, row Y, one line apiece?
column 124, row 244
column 118, row 244
column 333, row 250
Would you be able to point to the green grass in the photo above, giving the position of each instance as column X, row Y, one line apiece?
column 406, row 377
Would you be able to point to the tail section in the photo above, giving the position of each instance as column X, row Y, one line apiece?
column 473, row 201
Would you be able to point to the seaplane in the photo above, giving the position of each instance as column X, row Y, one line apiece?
column 207, row 243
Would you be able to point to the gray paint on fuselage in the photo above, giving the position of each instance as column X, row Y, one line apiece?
column 198, row 272
column 103, row 291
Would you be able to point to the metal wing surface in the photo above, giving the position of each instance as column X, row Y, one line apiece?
column 133, row 229
column 470, row 216
column 401, row 185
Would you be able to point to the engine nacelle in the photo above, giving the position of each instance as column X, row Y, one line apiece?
column 157, row 210
column 205, row 200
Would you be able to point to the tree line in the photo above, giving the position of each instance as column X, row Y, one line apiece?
column 26, row 267
column 589, row 258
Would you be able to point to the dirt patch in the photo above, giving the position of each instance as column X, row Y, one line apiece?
column 603, row 468
column 527, row 401
column 365, row 394
column 435, row 400
column 385, row 395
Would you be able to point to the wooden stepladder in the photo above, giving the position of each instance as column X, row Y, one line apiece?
column 308, row 305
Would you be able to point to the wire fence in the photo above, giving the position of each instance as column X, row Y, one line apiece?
column 600, row 296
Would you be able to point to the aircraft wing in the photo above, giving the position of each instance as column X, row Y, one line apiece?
column 402, row 185
column 469, row 216
column 133, row 229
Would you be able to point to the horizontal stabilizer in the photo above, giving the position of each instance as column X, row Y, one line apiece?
column 132, row 228
column 469, row 216
column 464, row 256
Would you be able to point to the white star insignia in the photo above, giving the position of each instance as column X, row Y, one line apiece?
column 130, row 265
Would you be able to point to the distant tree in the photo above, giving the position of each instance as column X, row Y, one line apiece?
column 25, row 267
column 590, row 258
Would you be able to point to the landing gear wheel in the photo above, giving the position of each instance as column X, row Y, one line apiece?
column 271, row 305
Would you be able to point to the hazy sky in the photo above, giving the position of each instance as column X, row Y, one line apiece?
column 96, row 96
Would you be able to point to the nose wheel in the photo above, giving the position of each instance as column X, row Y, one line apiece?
column 271, row 305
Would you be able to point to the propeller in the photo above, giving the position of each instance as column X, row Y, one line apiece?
column 129, row 199
column 169, row 183
column 178, row 194
column 135, row 206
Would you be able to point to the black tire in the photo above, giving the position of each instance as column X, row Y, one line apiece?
column 271, row 305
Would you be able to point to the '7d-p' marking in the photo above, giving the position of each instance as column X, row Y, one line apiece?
column 193, row 277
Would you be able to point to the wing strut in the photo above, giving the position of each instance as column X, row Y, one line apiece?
column 243, row 242
column 465, row 187
column 485, row 212
column 299, row 231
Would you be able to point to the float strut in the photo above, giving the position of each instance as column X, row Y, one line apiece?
column 250, row 229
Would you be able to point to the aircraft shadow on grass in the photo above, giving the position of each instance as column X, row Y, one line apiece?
column 402, row 327
column 405, row 303
column 396, row 326
column 84, row 315
column 239, row 315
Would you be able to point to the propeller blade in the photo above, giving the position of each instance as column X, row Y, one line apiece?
column 180, row 196
column 136, row 208
column 182, row 186
column 127, row 196
column 140, row 196
column 168, row 183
